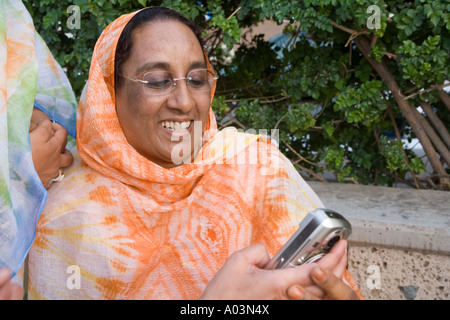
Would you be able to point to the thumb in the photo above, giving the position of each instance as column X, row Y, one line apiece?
column 43, row 130
column 255, row 254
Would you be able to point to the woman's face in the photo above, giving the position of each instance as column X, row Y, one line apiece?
column 162, row 46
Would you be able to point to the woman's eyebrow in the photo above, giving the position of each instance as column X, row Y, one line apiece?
column 153, row 65
column 166, row 66
column 198, row 64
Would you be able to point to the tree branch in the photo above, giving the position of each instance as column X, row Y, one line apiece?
column 274, row 99
column 353, row 33
column 435, row 139
column 343, row 28
column 382, row 69
column 432, row 88
column 298, row 154
column 445, row 98
column 235, row 11
column 437, row 123
column 309, row 171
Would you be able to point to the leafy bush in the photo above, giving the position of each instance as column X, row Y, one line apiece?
column 343, row 88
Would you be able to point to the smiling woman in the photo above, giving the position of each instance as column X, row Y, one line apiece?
column 140, row 226
column 149, row 115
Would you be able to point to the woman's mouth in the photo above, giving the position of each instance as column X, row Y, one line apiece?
column 177, row 127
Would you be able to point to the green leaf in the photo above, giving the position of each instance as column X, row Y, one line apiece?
column 340, row 84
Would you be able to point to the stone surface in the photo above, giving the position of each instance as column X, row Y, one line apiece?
column 399, row 274
column 395, row 217
column 400, row 245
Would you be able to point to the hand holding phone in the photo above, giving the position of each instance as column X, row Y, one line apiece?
column 317, row 234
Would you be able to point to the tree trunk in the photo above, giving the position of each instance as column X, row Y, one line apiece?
column 434, row 138
column 445, row 98
column 437, row 123
column 383, row 71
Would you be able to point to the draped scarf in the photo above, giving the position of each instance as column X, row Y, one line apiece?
column 30, row 76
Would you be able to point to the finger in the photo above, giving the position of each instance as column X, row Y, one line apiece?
column 46, row 185
column 59, row 141
column 43, row 128
column 295, row 293
column 36, row 117
column 316, row 291
column 340, row 247
column 334, row 287
column 332, row 259
column 299, row 293
column 339, row 257
column 335, row 260
column 341, row 267
column 65, row 159
column 256, row 254
column 63, row 134
column 16, row 292
column 5, row 284
column 5, row 292
column 60, row 134
column 4, row 276
column 294, row 276
column 33, row 125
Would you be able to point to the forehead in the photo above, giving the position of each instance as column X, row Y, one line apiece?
column 166, row 42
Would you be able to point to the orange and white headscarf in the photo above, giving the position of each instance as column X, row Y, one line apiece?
column 121, row 227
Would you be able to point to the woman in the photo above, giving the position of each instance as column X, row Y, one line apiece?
column 159, row 199
column 36, row 106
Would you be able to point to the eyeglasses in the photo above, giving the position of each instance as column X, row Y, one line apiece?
column 163, row 82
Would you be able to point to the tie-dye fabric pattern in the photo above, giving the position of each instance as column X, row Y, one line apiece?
column 29, row 74
column 121, row 227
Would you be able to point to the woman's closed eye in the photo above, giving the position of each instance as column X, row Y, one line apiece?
column 198, row 78
column 197, row 83
column 158, row 81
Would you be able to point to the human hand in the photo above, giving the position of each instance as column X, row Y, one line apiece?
column 335, row 260
column 334, row 287
column 37, row 116
column 8, row 290
column 243, row 276
column 48, row 148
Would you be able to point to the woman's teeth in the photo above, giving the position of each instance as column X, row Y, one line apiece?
column 176, row 126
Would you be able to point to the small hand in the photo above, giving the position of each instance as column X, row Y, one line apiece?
column 8, row 290
column 243, row 278
column 336, row 261
column 334, row 287
column 243, row 275
column 48, row 148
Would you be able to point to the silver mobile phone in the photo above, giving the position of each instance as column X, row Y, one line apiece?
column 316, row 235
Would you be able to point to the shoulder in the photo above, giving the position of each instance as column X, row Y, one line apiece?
column 79, row 186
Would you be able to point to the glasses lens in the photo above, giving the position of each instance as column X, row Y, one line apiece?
column 162, row 82
column 158, row 82
column 200, row 80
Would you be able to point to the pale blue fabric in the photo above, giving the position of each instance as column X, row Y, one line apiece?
column 22, row 195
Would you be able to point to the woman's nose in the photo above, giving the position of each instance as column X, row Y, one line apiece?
column 181, row 97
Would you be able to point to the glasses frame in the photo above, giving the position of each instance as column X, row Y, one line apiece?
column 175, row 81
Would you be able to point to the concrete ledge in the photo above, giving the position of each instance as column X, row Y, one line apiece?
column 399, row 274
column 391, row 217
column 400, row 244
